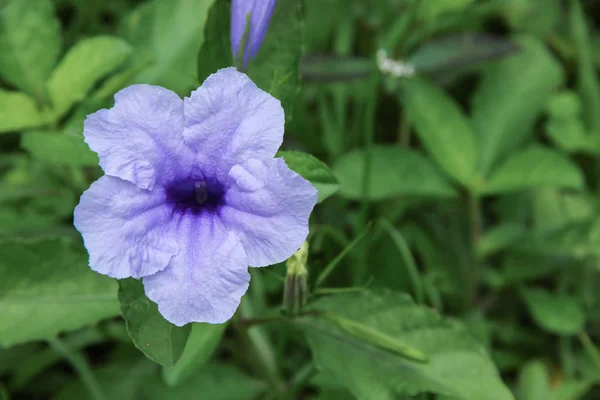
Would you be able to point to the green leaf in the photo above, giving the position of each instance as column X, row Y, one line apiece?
column 443, row 129
column 215, row 52
column 458, row 366
column 202, row 343
column 276, row 66
column 535, row 166
column 214, row 382
column 565, row 126
column 61, row 148
column 157, row 338
column 394, row 172
column 47, row 288
column 557, row 313
column 85, row 63
column 511, row 96
column 30, row 43
column 572, row 390
column 534, row 382
column 313, row 170
column 19, row 111
column 170, row 33
column 499, row 238
column 587, row 80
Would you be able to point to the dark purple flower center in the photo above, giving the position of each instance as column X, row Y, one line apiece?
column 195, row 196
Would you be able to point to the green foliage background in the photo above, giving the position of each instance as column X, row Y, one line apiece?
column 455, row 249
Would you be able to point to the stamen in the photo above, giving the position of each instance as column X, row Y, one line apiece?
column 201, row 192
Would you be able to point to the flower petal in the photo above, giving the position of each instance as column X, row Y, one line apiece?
column 125, row 229
column 140, row 139
column 268, row 207
column 229, row 120
column 261, row 12
column 207, row 279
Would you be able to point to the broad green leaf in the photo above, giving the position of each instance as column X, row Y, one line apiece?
column 19, row 111
column 457, row 365
column 48, row 288
column 537, row 17
column 313, row 170
column 276, row 66
column 215, row 52
column 510, row 98
column 533, row 167
column 572, row 390
column 85, row 63
column 157, row 338
column 214, row 382
column 587, row 80
column 393, row 172
column 557, row 313
column 170, row 33
column 61, row 148
column 30, row 43
column 498, row 238
column 443, row 129
column 534, row 382
column 565, row 125
column 202, row 343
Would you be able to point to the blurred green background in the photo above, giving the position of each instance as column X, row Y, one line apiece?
column 470, row 183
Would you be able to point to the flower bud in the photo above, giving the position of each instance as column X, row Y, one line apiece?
column 296, row 287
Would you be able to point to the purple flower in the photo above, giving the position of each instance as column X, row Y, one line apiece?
column 192, row 195
column 260, row 15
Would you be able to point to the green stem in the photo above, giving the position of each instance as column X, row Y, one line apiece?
column 369, row 137
column 80, row 365
column 261, row 346
column 300, row 379
column 590, row 348
column 409, row 262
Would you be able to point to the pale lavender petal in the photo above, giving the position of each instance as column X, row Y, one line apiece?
column 229, row 120
column 268, row 207
column 140, row 139
column 207, row 279
column 261, row 12
column 126, row 230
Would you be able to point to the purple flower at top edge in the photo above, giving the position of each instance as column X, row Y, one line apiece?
column 191, row 194
column 260, row 15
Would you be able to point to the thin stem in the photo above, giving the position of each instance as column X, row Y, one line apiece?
column 331, row 266
column 369, row 138
column 300, row 379
column 590, row 348
column 249, row 322
column 261, row 347
column 80, row 365
column 409, row 262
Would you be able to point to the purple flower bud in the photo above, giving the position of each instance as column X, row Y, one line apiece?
column 259, row 13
